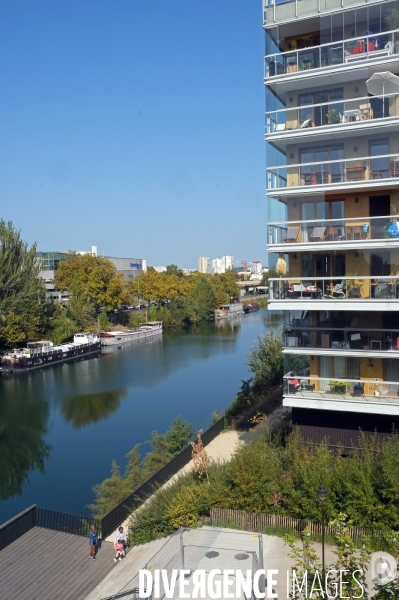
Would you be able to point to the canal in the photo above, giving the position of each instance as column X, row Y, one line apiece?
column 61, row 427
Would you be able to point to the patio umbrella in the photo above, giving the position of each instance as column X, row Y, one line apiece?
column 281, row 267
column 383, row 83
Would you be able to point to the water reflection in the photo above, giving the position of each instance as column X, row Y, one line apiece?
column 84, row 409
column 228, row 326
column 23, row 424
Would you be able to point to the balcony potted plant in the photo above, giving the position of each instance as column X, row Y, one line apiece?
column 332, row 116
column 353, row 288
column 392, row 22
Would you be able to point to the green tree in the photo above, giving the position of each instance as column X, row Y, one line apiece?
column 152, row 313
column 103, row 321
column 174, row 270
column 265, row 361
column 92, row 281
column 22, row 294
column 200, row 302
column 178, row 435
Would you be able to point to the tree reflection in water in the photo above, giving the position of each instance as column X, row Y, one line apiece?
column 83, row 409
column 23, row 424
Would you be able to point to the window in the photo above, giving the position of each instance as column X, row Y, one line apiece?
column 379, row 166
column 318, row 114
column 321, row 171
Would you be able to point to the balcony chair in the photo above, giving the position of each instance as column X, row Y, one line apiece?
column 338, row 289
column 358, row 389
column 380, row 387
column 318, row 234
column 394, row 168
column 292, row 235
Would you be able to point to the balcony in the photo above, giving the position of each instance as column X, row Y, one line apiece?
column 338, row 118
column 346, row 54
column 334, row 341
column 350, row 292
column 277, row 11
column 351, row 395
column 321, row 176
column 339, row 234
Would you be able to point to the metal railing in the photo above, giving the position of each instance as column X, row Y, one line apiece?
column 118, row 514
column 324, row 172
column 323, row 338
column 348, row 287
column 332, row 54
column 17, row 526
column 68, row 523
column 34, row 516
column 341, row 388
column 359, row 229
column 334, row 112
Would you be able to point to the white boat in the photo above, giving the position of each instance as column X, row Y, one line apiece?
column 229, row 310
column 148, row 330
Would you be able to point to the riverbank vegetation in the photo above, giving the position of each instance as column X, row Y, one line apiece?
column 139, row 468
column 278, row 473
column 23, row 314
column 265, row 362
column 95, row 287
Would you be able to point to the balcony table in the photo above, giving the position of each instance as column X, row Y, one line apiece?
column 355, row 173
column 350, row 116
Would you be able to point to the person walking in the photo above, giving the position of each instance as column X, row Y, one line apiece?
column 93, row 541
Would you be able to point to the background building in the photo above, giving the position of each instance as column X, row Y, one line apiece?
column 228, row 262
column 333, row 210
column 203, row 264
column 130, row 267
column 218, row 265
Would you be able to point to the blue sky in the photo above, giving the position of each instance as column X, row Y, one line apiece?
column 135, row 126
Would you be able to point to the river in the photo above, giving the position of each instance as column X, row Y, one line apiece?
column 61, row 427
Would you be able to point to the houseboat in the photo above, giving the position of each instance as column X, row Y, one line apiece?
column 251, row 307
column 229, row 310
column 148, row 330
column 44, row 353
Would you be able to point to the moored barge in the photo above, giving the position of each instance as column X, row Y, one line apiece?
column 251, row 307
column 116, row 338
column 44, row 353
column 229, row 310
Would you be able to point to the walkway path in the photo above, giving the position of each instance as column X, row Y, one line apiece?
column 220, row 449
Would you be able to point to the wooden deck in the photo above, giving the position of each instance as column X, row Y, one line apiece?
column 48, row 565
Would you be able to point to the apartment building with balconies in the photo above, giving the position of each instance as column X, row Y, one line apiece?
column 332, row 134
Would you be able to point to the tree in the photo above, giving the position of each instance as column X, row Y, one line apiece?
column 92, row 281
column 201, row 460
column 174, row 270
column 265, row 361
column 200, row 302
column 22, row 293
column 103, row 321
column 178, row 435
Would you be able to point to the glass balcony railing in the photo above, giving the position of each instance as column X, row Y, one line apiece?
column 334, row 388
column 345, row 52
column 349, row 287
column 275, row 11
column 336, row 112
column 324, row 172
column 342, row 339
column 359, row 229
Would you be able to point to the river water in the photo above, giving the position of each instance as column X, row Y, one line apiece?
column 61, row 427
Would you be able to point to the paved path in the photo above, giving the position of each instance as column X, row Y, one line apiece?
column 228, row 545
column 48, row 565
column 221, row 449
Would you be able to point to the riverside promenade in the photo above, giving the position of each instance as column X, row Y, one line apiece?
column 220, row 449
